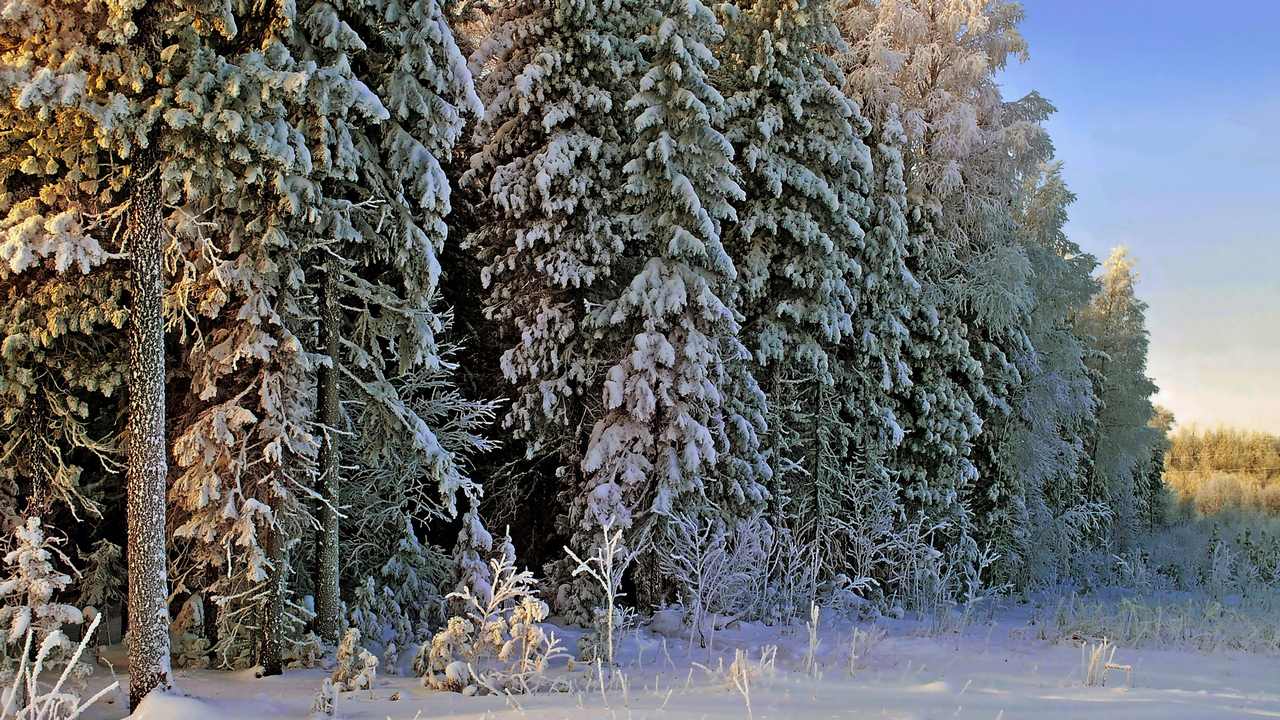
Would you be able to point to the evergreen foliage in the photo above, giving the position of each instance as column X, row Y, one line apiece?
column 774, row 303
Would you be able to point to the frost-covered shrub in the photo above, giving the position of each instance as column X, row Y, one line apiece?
column 1064, row 539
column 848, row 597
column 324, row 702
column 1228, row 554
column 356, row 668
column 919, row 574
column 606, row 565
column 790, row 578
column 1199, row 624
column 306, row 651
column 497, row 644
column 439, row 663
column 22, row 697
column 719, row 570
column 28, row 593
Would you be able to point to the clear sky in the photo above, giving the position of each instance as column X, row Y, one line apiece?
column 1169, row 127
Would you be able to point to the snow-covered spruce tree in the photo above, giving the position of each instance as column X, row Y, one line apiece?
column 804, row 171
column 928, row 387
column 325, row 37
column 394, row 482
column 384, row 201
column 873, row 372
column 1123, row 441
column 1157, row 493
column 1044, row 441
column 933, row 64
column 384, row 88
column 682, row 410
column 998, row 309
column 799, row 244
column 555, row 219
column 102, row 582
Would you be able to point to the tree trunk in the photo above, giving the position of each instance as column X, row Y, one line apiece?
column 271, row 656
column 211, row 611
column 147, row 464
column 328, row 602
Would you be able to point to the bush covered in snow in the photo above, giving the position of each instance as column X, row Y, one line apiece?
column 497, row 643
column 356, row 667
column 23, row 696
column 29, row 595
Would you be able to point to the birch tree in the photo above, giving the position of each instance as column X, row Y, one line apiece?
column 1122, row 443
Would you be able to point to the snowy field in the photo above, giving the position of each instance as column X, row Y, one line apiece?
column 1025, row 662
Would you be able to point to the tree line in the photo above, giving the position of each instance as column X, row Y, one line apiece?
column 1225, row 469
column 320, row 293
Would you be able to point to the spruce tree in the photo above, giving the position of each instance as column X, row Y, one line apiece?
column 243, row 438
column 801, row 249
column 382, row 197
column 552, row 144
column 682, row 410
column 933, row 408
column 27, row 592
column 554, row 228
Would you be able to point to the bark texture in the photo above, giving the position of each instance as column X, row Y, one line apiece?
column 271, row 655
column 147, row 463
column 328, row 602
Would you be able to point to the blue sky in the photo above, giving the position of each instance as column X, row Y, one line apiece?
column 1169, row 127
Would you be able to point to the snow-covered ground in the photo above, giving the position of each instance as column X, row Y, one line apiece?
column 1006, row 668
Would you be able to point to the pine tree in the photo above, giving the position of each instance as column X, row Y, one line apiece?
column 180, row 118
column 62, row 304
column 147, row 457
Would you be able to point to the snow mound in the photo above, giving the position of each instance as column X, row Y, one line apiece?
column 171, row 706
